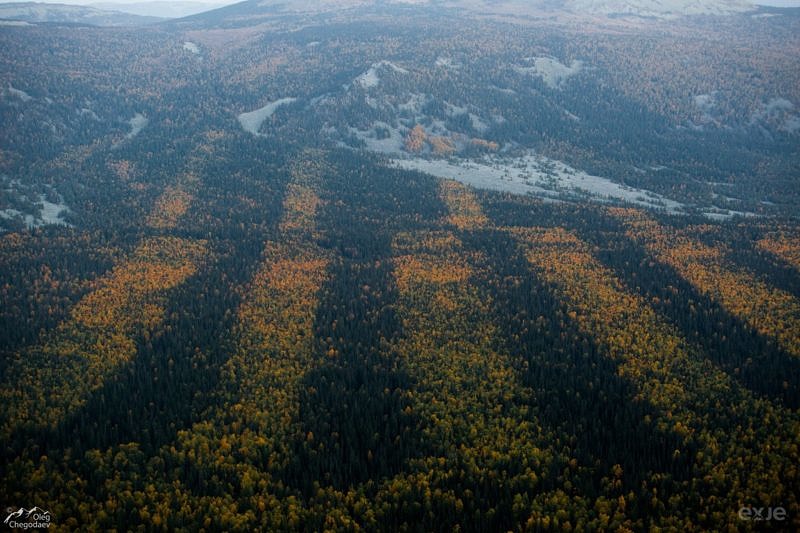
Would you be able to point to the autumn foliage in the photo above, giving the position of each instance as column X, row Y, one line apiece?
column 415, row 139
column 464, row 209
column 785, row 245
column 99, row 337
column 767, row 309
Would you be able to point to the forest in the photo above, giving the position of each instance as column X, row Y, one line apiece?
column 283, row 330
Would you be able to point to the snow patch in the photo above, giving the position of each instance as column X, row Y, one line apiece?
column 48, row 214
column 454, row 110
column 792, row 124
column 137, row 123
column 53, row 213
column 414, row 104
column 779, row 113
column 502, row 89
column 371, row 78
column 536, row 175
column 382, row 138
column 478, row 124
column 191, row 47
column 19, row 93
column 368, row 79
column 550, row 70
column 37, row 209
column 251, row 122
column 705, row 102
column 727, row 214
column 86, row 112
column 707, row 105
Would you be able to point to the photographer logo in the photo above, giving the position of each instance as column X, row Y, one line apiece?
column 34, row 518
column 759, row 514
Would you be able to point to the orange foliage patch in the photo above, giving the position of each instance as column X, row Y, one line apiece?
column 450, row 350
column 300, row 208
column 55, row 377
column 783, row 245
column 433, row 242
column 11, row 241
column 275, row 330
column 415, row 140
column 769, row 310
column 293, row 274
column 121, row 301
column 486, row 145
column 275, row 321
column 410, row 269
column 465, row 211
column 598, row 301
column 442, row 145
column 170, row 206
column 123, row 169
column 652, row 355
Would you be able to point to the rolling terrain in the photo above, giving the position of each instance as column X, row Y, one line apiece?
column 323, row 266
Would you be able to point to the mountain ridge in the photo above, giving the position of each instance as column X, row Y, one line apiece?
column 39, row 12
column 641, row 9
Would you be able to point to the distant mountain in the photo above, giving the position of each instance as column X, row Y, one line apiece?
column 159, row 8
column 646, row 9
column 660, row 8
column 61, row 13
column 262, row 8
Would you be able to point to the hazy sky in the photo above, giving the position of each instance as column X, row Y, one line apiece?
column 90, row 2
column 778, row 3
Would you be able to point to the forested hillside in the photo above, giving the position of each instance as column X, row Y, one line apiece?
column 247, row 311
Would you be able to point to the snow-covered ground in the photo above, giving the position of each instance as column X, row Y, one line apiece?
column 39, row 211
column 391, row 142
column 503, row 90
column 9, row 214
column 477, row 174
column 445, row 62
column 727, row 214
column 191, row 47
column 372, row 77
column 705, row 102
column 536, row 175
column 52, row 213
column 779, row 112
column 86, row 112
column 552, row 72
column 252, row 121
column 19, row 93
column 137, row 123
column 413, row 106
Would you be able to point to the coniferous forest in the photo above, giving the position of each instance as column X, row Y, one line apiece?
column 391, row 267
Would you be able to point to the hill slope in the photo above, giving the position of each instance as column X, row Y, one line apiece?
column 247, row 286
column 71, row 14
